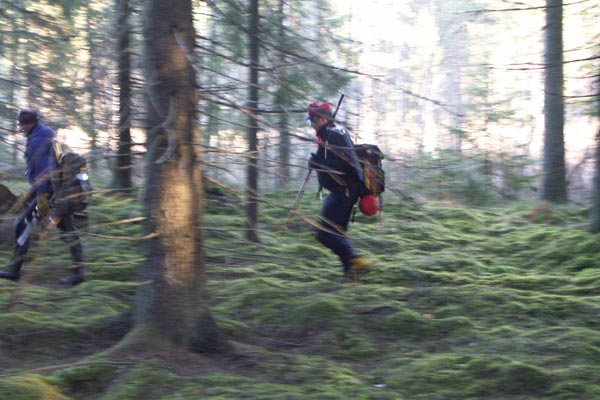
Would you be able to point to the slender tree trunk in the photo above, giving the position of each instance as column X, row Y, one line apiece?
column 33, row 93
column 425, row 85
column 595, row 211
column 554, row 188
column 122, row 173
column 213, row 111
column 252, row 190
column 453, row 38
column 284, row 149
column 93, row 90
column 11, row 88
column 283, row 100
column 172, row 299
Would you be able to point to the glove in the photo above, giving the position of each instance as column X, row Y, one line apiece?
column 43, row 206
column 312, row 162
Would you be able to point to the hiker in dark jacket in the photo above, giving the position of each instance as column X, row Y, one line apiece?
column 336, row 172
column 41, row 164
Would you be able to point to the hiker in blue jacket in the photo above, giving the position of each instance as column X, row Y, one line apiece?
column 336, row 172
column 41, row 164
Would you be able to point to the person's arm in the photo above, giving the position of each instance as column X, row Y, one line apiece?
column 42, row 165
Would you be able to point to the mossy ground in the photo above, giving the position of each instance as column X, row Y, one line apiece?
column 494, row 303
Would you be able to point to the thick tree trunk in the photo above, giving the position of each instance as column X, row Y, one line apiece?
column 122, row 173
column 172, row 299
column 252, row 190
column 554, row 188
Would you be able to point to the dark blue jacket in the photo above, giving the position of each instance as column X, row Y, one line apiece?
column 335, row 159
column 41, row 161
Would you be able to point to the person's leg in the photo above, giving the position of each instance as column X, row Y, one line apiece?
column 335, row 216
column 23, row 228
column 69, row 236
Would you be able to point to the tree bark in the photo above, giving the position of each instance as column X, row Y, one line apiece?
column 453, row 38
column 595, row 210
column 282, row 98
column 172, row 298
column 122, row 174
column 252, row 190
column 554, row 187
column 93, row 90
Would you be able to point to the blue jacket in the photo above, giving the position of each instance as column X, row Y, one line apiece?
column 41, row 161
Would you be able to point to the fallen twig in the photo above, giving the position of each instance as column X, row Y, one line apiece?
column 61, row 366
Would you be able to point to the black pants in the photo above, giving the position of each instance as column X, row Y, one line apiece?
column 24, row 226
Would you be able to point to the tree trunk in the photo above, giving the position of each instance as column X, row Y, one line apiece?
column 284, row 149
column 122, row 173
column 453, row 38
column 554, row 187
column 252, row 190
column 93, row 91
column 595, row 211
column 172, row 298
column 282, row 99
column 11, row 89
column 212, row 110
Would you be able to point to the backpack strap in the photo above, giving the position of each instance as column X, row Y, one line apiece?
column 56, row 176
column 353, row 156
column 58, row 151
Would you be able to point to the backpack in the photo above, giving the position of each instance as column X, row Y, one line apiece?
column 370, row 160
column 70, row 182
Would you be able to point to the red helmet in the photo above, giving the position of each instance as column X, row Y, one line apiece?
column 321, row 109
column 369, row 205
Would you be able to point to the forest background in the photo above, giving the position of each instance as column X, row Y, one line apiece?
column 444, row 88
column 481, row 108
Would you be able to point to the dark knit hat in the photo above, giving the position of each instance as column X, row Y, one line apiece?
column 27, row 116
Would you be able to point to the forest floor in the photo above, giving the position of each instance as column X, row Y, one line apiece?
column 464, row 303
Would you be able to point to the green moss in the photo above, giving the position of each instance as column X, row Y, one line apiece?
column 125, row 273
column 317, row 311
column 520, row 378
column 466, row 376
column 88, row 378
column 147, row 380
column 399, row 322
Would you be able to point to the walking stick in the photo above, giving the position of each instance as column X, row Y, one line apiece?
column 298, row 198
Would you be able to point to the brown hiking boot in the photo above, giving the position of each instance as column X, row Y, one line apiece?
column 361, row 264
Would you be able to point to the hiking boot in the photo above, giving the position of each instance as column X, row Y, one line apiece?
column 13, row 272
column 77, row 276
column 360, row 264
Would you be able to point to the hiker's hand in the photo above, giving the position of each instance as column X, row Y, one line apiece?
column 43, row 206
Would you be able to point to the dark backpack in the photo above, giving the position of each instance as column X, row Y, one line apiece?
column 71, row 183
column 370, row 159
